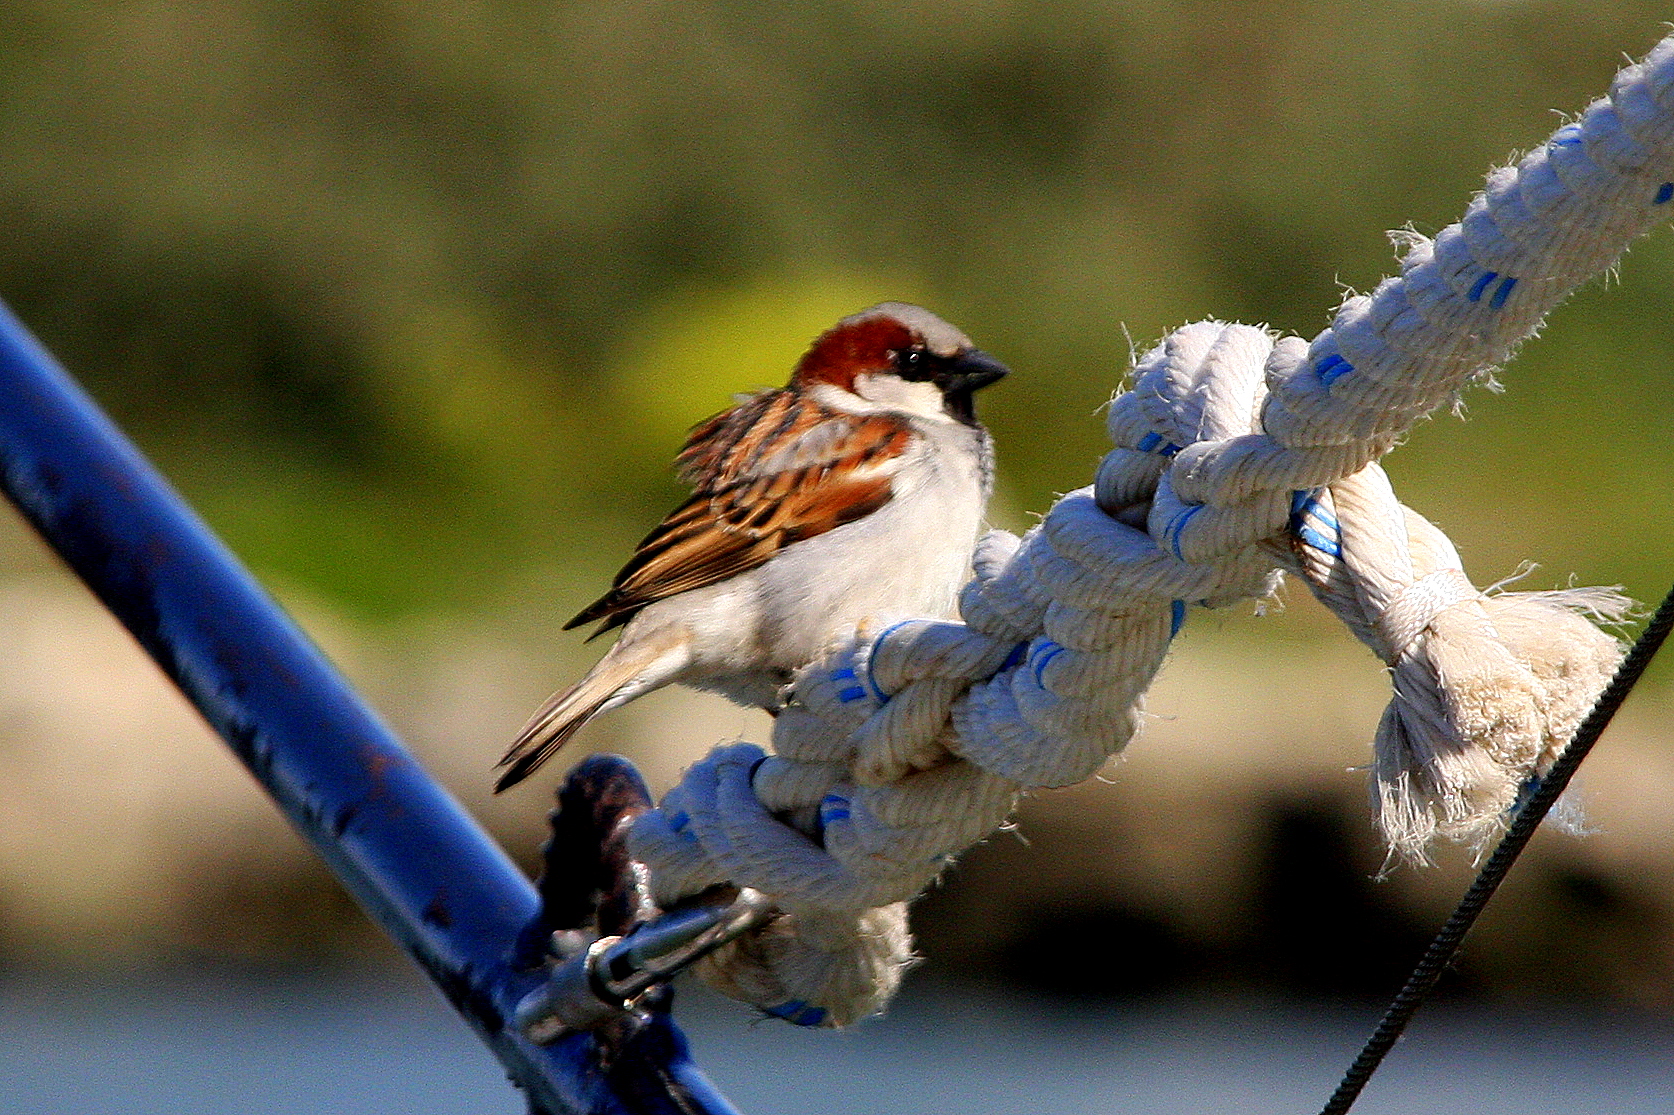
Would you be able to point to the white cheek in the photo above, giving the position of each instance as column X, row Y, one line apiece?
column 899, row 394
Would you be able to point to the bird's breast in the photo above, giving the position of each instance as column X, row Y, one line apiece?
column 908, row 558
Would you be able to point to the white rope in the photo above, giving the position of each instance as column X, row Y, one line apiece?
column 1238, row 456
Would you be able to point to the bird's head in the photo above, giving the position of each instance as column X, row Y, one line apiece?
column 903, row 357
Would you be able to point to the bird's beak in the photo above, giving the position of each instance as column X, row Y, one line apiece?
column 970, row 371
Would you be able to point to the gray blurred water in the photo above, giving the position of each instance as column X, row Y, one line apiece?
column 177, row 1046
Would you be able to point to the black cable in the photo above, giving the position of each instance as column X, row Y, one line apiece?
column 1446, row 944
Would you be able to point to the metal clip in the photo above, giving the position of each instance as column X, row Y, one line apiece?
column 602, row 982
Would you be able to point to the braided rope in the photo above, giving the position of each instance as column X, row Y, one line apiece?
column 1238, row 456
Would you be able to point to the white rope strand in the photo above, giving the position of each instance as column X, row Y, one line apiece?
column 1237, row 455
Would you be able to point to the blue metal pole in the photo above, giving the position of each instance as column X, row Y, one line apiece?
column 406, row 850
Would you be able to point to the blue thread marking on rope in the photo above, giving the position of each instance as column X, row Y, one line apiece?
column 1501, row 294
column 1664, row 192
column 1176, row 617
column 1314, row 540
column 798, row 1013
column 834, row 807
column 1304, row 504
column 1481, row 285
column 1153, row 443
column 848, row 693
column 871, row 683
column 878, row 695
column 1017, row 655
column 1179, row 524
column 1333, row 368
column 1043, row 656
column 1305, row 511
column 1567, row 136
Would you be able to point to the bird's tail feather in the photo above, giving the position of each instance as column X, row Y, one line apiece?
column 549, row 730
column 621, row 675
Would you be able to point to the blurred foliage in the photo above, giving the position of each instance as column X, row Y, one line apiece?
column 414, row 299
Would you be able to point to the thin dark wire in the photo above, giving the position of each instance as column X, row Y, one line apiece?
column 1446, row 944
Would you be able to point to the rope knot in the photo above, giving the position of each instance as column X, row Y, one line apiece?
column 1414, row 609
column 1237, row 455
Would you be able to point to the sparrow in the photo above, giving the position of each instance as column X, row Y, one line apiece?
column 852, row 494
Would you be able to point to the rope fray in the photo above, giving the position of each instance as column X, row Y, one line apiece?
column 1238, row 456
column 1488, row 687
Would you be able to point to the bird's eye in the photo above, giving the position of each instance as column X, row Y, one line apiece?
column 910, row 363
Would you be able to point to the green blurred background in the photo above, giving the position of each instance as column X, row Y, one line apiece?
column 414, row 301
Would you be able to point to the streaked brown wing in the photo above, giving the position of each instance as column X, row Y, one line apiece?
column 775, row 470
